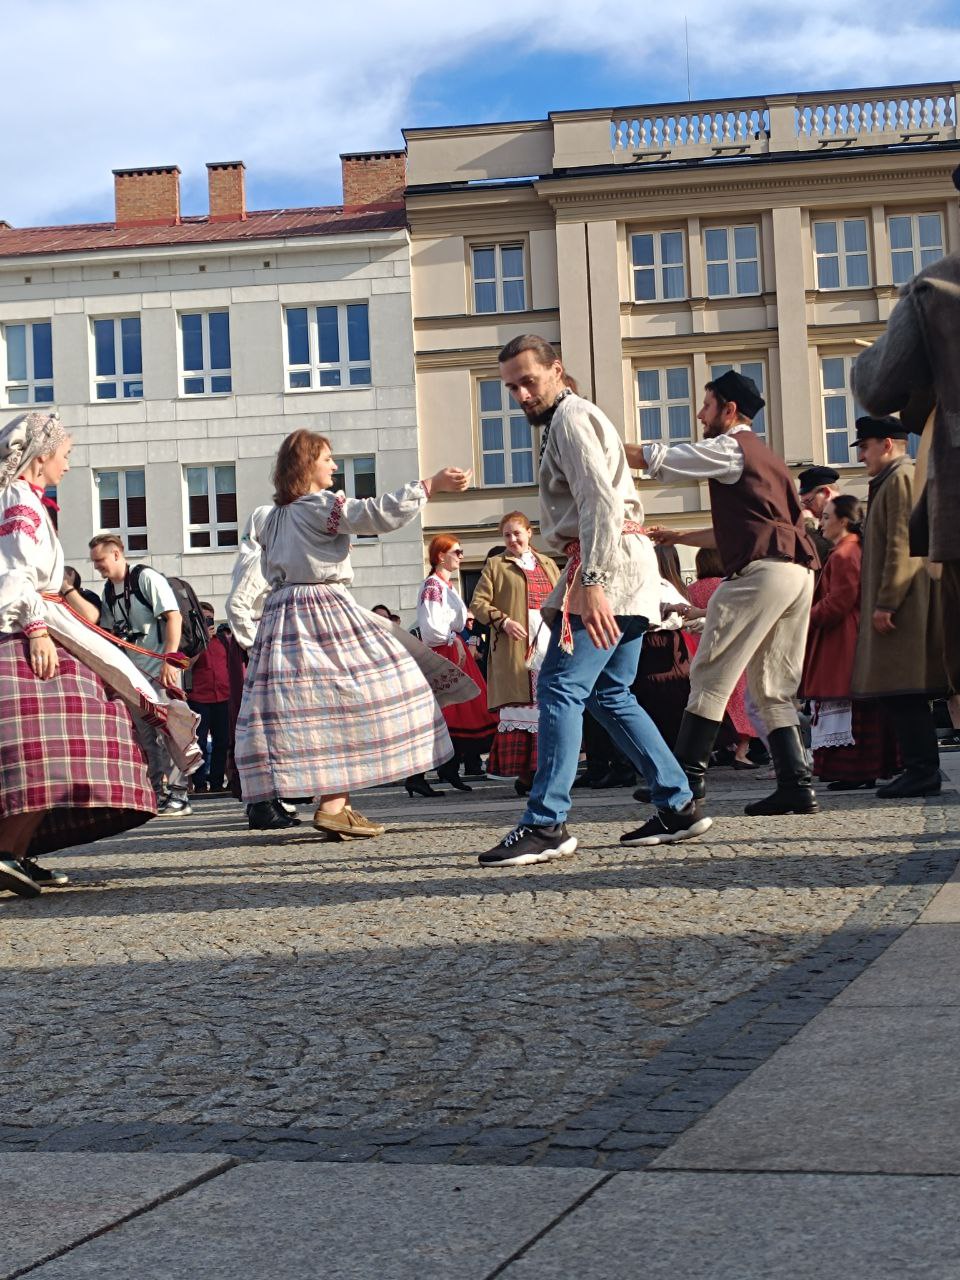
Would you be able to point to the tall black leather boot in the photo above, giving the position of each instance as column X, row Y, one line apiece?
column 916, row 732
column 693, row 747
column 794, row 793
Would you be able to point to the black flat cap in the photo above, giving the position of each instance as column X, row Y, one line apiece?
column 816, row 478
column 879, row 429
column 744, row 392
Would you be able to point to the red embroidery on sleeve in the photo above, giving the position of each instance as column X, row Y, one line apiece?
column 38, row 624
column 432, row 591
column 336, row 515
column 20, row 519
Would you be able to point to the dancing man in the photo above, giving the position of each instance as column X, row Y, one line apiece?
column 598, row 612
column 757, row 618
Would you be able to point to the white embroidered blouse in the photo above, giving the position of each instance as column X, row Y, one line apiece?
column 307, row 542
column 441, row 612
column 31, row 559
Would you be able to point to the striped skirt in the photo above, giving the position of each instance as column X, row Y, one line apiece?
column 332, row 702
column 68, row 749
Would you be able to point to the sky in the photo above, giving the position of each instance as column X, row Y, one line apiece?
column 286, row 85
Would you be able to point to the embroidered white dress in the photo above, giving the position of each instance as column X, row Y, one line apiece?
column 441, row 616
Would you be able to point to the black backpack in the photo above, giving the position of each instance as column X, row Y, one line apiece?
column 194, row 636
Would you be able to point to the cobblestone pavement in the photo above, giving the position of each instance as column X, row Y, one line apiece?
column 206, row 987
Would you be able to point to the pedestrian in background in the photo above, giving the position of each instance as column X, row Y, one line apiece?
column 210, row 699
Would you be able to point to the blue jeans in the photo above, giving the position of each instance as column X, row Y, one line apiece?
column 598, row 679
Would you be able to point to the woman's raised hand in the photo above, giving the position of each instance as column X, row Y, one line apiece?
column 450, row 480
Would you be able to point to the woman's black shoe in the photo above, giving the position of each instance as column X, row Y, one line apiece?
column 521, row 788
column 266, row 815
column 417, row 785
column 450, row 772
column 618, row 776
column 867, row 785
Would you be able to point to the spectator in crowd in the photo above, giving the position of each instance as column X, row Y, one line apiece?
column 76, row 595
column 899, row 655
column 852, row 742
column 148, row 617
column 817, row 486
column 662, row 684
column 210, row 699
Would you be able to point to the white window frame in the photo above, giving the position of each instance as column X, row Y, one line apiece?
column 852, row 410
column 731, row 260
column 917, row 253
column 497, row 247
column 30, row 383
column 664, row 403
column 213, row 526
column 121, row 377
column 124, row 529
column 658, row 266
column 207, row 372
column 842, row 253
column 316, row 367
column 718, row 366
column 345, row 479
column 508, row 409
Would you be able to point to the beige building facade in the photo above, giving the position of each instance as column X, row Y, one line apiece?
column 658, row 246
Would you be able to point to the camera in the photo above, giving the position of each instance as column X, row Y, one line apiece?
column 123, row 631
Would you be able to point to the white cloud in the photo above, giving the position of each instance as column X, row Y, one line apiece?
column 288, row 85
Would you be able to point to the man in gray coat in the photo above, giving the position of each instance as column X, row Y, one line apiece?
column 914, row 369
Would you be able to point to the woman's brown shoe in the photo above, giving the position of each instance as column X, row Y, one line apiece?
column 346, row 824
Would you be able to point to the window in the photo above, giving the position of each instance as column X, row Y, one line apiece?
column 206, row 353
column 328, row 346
column 749, row 369
column 29, row 362
column 357, row 477
column 123, row 506
column 733, row 261
column 916, row 240
column 840, row 410
column 841, row 253
column 498, row 278
column 659, row 266
column 117, row 359
column 212, row 506
column 506, row 437
column 664, row 407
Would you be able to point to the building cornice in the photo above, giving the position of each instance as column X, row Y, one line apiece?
column 731, row 341
column 470, row 359
column 470, row 321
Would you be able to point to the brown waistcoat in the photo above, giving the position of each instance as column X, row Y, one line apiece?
column 759, row 517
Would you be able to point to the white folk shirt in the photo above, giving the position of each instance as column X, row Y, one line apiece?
column 720, row 458
column 248, row 587
column 31, row 559
column 441, row 612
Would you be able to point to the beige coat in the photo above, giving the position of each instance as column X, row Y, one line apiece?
column 502, row 593
column 909, row 659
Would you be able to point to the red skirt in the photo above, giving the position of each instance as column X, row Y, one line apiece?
column 471, row 724
column 513, row 754
column 875, row 753
column 68, row 749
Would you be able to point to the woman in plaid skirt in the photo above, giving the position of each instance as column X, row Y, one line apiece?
column 71, row 770
column 336, row 698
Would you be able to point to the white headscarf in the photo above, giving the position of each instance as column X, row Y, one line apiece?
column 28, row 436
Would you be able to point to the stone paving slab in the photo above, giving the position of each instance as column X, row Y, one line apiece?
column 341, row 1222
column 53, row 1202
column 945, row 907
column 860, row 1090
column 920, row 969
column 684, row 1226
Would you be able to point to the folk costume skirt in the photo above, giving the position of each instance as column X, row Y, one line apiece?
column 471, row 725
column 68, row 748
column 332, row 702
column 873, row 754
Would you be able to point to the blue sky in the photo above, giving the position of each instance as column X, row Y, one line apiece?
column 105, row 84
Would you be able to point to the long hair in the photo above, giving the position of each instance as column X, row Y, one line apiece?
column 295, row 458
column 669, row 562
column 709, row 564
column 544, row 353
column 439, row 545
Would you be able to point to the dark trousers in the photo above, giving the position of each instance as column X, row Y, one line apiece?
column 950, row 601
column 916, row 731
column 215, row 725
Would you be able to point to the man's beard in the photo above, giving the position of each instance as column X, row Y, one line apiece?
column 539, row 417
column 712, row 429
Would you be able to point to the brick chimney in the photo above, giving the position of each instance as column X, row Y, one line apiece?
column 228, row 197
column 147, row 197
column 373, row 177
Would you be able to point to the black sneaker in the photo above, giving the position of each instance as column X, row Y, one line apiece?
column 16, row 879
column 669, row 827
column 43, row 876
column 530, row 844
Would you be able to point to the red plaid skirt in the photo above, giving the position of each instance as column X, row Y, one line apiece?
column 875, row 753
column 513, row 754
column 68, row 748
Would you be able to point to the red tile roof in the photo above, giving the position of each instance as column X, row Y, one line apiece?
column 262, row 224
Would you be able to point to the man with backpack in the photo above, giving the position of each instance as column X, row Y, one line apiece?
column 141, row 606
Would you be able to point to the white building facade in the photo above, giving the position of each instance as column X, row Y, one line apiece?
column 181, row 351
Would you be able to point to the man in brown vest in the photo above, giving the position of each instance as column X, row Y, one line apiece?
column 757, row 618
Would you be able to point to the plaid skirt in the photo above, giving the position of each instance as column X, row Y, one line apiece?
column 513, row 754
column 875, row 753
column 68, row 748
column 332, row 702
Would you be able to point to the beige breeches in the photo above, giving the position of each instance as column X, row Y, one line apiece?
column 756, row 620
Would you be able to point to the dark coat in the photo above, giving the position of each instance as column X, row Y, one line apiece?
column 910, row 658
column 914, row 364
column 834, row 623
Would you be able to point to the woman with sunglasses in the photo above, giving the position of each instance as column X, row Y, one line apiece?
column 441, row 616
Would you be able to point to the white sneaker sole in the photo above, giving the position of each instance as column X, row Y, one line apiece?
column 672, row 837
column 526, row 859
